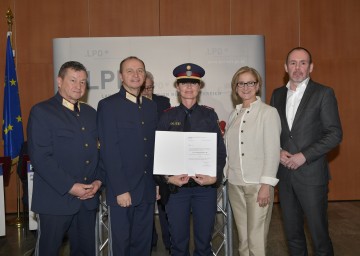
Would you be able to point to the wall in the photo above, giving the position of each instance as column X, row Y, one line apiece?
column 328, row 28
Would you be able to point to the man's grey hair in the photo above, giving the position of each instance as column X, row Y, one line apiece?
column 150, row 76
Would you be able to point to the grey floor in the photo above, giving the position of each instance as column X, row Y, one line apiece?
column 344, row 224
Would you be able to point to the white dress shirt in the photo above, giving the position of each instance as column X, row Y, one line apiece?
column 293, row 100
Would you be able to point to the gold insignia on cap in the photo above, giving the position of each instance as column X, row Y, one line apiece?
column 188, row 67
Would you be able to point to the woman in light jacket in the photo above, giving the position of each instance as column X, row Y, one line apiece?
column 252, row 141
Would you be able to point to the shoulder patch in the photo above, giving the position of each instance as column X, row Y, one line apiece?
column 83, row 102
column 166, row 110
column 207, row 107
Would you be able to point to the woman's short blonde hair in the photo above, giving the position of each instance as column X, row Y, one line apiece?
column 241, row 71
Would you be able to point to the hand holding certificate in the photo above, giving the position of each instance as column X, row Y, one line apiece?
column 185, row 153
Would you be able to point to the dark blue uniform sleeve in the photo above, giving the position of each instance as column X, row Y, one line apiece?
column 221, row 150
column 41, row 150
column 110, row 150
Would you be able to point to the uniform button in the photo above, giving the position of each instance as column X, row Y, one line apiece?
column 78, row 115
column 139, row 107
column 87, row 162
column 242, row 142
column 85, row 178
column 145, row 172
column 242, row 154
column 244, row 121
column 248, row 112
column 146, row 155
column 145, row 138
column 242, row 131
column 86, row 145
column 83, row 128
column 142, row 122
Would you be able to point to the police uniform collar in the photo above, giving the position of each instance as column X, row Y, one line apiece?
column 67, row 104
column 187, row 109
column 132, row 97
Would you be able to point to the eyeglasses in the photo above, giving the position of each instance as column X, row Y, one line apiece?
column 248, row 84
column 149, row 88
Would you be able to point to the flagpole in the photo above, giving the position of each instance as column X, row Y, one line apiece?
column 18, row 222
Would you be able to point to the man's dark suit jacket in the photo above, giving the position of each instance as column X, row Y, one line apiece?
column 63, row 150
column 127, row 137
column 162, row 103
column 315, row 131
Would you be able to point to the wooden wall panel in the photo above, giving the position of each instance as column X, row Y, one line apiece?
column 124, row 18
column 39, row 21
column 278, row 22
column 327, row 27
column 195, row 17
column 330, row 29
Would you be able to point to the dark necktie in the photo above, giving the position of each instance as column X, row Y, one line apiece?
column 187, row 120
column 76, row 107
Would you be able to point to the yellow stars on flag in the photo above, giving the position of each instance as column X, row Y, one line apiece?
column 12, row 82
column 8, row 129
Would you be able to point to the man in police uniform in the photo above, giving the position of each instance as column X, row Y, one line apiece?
column 127, row 123
column 182, row 194
column 63, row 148
column 162, row 104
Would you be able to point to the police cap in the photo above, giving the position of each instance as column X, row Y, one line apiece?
column 188, row 72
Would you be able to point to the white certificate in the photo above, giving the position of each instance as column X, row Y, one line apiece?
column 185, row 153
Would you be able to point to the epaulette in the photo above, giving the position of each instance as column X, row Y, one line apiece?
column 147, row 98
column 207, row 107
column 83, row 102
column 166, row 110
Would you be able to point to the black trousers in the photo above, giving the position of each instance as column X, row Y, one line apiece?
column 80, row 230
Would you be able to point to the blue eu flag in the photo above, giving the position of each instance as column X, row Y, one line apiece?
column 12, row 129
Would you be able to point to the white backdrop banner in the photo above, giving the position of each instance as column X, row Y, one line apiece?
column 32, row 216
column 220, row 56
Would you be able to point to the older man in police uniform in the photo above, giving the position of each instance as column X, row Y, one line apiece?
column 63, row 148
column 127, row 123
column 182, row 194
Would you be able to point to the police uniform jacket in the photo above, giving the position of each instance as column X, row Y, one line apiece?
column 203, row 119
column 162, row 103
column 63, row 148
column 127, row 135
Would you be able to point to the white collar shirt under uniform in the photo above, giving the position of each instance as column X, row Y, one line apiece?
column 293, row 100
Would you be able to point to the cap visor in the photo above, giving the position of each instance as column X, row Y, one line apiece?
column 188, row 80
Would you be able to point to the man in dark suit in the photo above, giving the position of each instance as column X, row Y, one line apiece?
column 127, row 123
column 310, row 129
column 162, row 104
column 63, row 148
